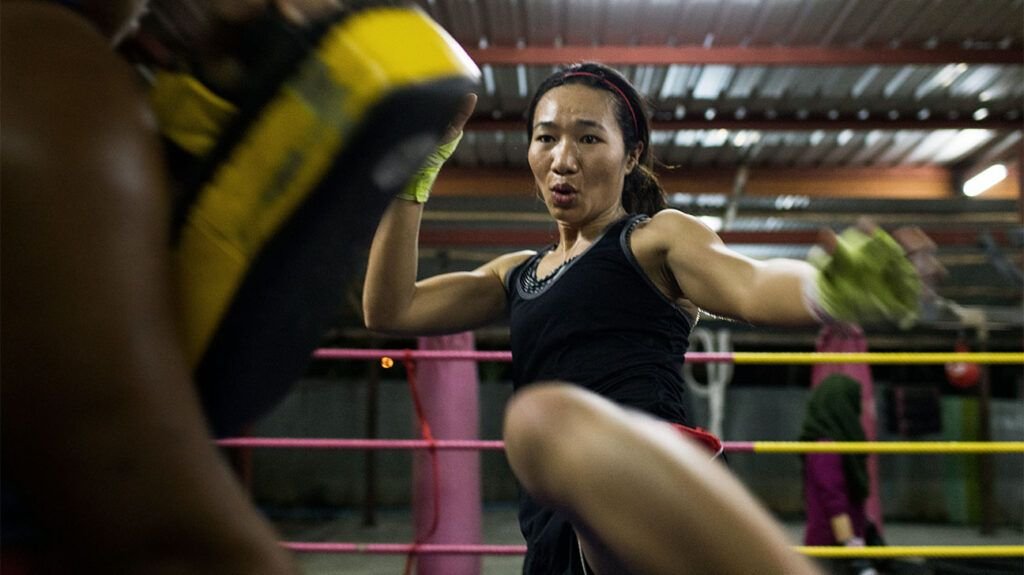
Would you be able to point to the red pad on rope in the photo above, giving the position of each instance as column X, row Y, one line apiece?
column 706, row 439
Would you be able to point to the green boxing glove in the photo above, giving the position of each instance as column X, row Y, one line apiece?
column 867, row 279
column 418, row 188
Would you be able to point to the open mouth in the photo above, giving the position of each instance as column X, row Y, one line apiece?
column 563, row 195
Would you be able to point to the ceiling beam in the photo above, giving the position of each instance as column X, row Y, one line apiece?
column 784, row 124
column 449, row 237
column 895, row 182
column 751, row 56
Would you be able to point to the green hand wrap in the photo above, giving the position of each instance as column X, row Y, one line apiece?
column 418, row 188
column 868, row 278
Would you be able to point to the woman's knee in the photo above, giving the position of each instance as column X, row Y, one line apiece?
column 544, row 427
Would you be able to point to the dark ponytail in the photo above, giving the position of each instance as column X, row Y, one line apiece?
column 641, row 192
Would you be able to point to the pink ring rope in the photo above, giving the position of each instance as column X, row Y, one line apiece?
column 396, row 444
column 503, row 356
column 404, row 548
column 431, row 444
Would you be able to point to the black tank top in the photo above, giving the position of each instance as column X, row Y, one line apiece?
column 599, row 322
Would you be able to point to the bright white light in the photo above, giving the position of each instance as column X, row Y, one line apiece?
column 713, row 79
column 791, row 202
column 817, row 137
column 965, row 142
column 985, row 179
column 687, row 138
column 488, row 78
column 524, row 89
column 713, row 222
column 980, row 114
column 844, row 137
column 672, row 85
column 715, row 138
column 660, row 137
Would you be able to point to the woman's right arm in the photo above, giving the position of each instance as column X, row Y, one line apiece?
column 394, row 302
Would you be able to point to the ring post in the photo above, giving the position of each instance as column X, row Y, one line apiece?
column 449, row 394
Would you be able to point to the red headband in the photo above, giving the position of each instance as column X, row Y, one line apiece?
column 607, row 82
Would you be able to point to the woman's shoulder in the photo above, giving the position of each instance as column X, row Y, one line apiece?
column 513, row 259
column 669, row 227
column 672, row 219
column 503, row 264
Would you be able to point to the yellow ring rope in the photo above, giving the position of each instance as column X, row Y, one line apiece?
column 757, row 357
column 888, row 446
column 915, row 551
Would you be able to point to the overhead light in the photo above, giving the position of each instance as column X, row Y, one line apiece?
column 984, row 180
column 713, row 79
column 488, row 73
column 523, row 85
column 715, row 138
column 980, row 114
column 965, row 142
column 844, row 137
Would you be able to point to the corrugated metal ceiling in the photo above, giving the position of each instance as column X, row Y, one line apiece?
column 890, row 111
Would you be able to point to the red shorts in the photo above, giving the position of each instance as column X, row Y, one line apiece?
column 706, row 440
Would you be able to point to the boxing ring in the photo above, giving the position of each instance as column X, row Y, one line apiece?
column 388, row 358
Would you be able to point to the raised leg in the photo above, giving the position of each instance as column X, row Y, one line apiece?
column 642, row 498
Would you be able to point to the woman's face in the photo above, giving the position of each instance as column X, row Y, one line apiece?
column 577, row 154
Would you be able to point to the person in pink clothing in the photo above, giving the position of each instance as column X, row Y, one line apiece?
column 835, row 485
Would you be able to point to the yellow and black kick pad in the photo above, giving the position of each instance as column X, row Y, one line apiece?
column 271, row 231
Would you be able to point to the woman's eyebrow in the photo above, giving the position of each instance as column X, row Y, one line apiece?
column 592, row 124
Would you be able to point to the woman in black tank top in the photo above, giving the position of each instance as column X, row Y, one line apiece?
column 599, row 325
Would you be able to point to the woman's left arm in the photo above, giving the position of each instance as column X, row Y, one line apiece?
column 862, row 275
column 729, row 284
